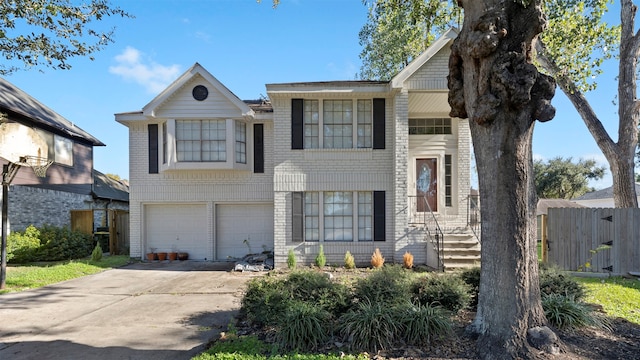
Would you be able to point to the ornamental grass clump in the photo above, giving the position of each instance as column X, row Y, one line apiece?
column 424, row 323
column 370, row 326
column 303, row 327
column 349, row 261
column 376, row 259
column 564, row 312
column 407, row 260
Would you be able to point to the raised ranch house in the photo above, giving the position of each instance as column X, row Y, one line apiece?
column 350, row 165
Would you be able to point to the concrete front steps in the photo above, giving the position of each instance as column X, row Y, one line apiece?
column 460, row 250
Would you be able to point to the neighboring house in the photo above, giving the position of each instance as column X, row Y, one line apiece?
column 350, row 165
column 29, row 128
column 601, row 198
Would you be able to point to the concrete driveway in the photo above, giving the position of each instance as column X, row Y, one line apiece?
column 141, row 311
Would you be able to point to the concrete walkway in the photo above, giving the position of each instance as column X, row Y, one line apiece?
column 141, row 311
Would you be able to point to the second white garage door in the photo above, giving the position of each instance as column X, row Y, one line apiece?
column 243, row 229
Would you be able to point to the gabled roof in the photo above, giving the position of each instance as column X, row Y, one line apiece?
column 105, row 187
column 19, row 102
column 417, row 63
column 196, row 69
column 606, row 193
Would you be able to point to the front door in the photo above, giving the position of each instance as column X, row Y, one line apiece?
column 426, row 184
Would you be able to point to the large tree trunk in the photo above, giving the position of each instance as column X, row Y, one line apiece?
column 620, row 155
column 494, row 84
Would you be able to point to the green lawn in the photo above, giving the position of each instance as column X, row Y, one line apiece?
column 35, row 275
column 618, row 296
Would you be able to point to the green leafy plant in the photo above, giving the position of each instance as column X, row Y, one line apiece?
column 423, row 323
column 96, row 254
column 554, row 281
column 389, row 285
column 471, row 277
column 318, row 289
column 446, row 290
column 304, row 326
column 22, row 247
column 265, row 300
column 349, row 261
column 321, row 260
column 592, row 253
column 564, row 312
column 291, row 260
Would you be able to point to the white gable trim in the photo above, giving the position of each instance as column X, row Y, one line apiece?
column 196, row 69
column 416, row 64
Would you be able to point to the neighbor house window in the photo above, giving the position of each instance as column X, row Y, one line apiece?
column 201, row 140
column 429, row 126
column 241, row 142
column 63, row 148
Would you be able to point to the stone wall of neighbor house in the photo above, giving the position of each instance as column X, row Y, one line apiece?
column 35, row 206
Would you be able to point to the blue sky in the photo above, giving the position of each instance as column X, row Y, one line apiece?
column 246, row 45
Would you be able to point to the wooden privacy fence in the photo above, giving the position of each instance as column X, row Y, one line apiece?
column 599, row 240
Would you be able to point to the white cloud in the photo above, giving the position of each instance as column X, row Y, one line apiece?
column 133, row 66
column 203, row 36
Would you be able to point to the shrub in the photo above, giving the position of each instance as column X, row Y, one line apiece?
column 564, row 312
column 321, row 260
column 446, row 290
column 349, row 261
column 471, row 277
column 407, row 260
column 291, row 260
column 422, row 323
column 370, row 326
column 553, row 281
column 50, row 243
column 376, row 259
column 389, row 285
column 303, row 326
column 265, row 300
column 317, row 288
column 22, row 247
column 96, row 254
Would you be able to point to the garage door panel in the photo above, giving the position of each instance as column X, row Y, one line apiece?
column 243, row 229
column 182, row 227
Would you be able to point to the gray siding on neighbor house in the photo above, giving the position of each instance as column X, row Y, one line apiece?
column 36, row 206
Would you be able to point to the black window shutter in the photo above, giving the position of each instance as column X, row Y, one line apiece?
column 258, row 148
column 379, row 221
column 297, row 220
column 297, row 124
column 378, row 124
column 153, row 148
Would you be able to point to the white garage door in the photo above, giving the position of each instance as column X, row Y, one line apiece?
column 183, row 227
column 243, row 229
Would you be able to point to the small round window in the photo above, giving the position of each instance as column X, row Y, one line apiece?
column 200, row 92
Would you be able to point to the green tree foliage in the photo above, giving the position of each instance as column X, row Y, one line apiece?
column 561, row 178
column 399, row 30
column 50, row 32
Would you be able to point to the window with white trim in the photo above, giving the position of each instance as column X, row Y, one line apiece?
column 241, row 142
column 430, row 126
column 201, row 140
column 338, row 216
column 343, row 123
